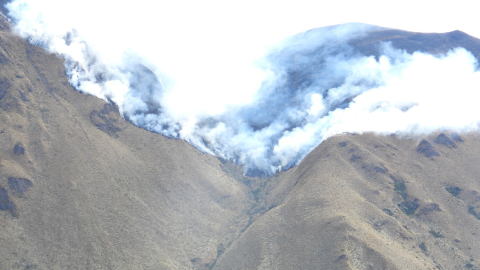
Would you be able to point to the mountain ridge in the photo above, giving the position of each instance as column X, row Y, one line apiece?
column 81, row 188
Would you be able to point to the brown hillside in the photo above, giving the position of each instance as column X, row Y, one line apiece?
column 80, row 188
column 370, row 202
column 83, row 189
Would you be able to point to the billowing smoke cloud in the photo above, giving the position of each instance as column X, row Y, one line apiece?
column 263, row 109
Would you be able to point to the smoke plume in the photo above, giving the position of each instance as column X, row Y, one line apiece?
column 234, row 94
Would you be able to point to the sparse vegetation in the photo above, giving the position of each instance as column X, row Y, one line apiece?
column 355, row 158
column 18, row 149
column 427, row 149
column 220, row 249
column 388, row 211
column 400, row 188
column 341, row 257
column 256, row 194
column 423, row 247
column 409, row 207
column 455, row 191
column 380, row 170
column 436, row 234
column 30, row 266
column 445, row 140
column 152, row 202
column 472, row 211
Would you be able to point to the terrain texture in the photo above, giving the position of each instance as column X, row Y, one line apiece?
column 81, row 188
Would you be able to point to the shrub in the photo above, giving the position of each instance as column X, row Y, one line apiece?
column 423, row 247
column 388, row 211
column 399, row 187
column 409, row 207
column 472, row 211
column 256, row 194
column 436, row 234
column 455, row 191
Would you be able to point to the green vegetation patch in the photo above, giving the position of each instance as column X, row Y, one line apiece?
column 455, row 191
column 256, row 194
column 388, row 211
column 436, row 234
column 423, row 247
column 472, row 211
column 400, row 189
column 427, row 149
column 409, row 207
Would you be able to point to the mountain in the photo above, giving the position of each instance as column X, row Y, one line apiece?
column 370, row 202
column 81, row 188
column 434, row 43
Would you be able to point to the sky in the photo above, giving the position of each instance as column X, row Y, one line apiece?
column 281, row 18
column 216, row 73
column 416, row 16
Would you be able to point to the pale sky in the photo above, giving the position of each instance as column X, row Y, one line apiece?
column 419, row 16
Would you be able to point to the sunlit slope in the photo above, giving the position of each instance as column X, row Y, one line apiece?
column 80, row 188
column 373, row 202
column 370, row 202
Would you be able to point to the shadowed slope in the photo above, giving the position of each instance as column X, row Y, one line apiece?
column 434, row 43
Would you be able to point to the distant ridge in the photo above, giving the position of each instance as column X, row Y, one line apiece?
column 433, row 43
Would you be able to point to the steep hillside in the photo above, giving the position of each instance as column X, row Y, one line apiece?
column 80, row 188
column 370, row 202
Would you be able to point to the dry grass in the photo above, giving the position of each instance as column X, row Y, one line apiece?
column 90, row 191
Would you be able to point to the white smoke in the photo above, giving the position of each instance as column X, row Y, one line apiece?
column 219, row 88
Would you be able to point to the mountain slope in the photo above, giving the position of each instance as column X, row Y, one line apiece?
column 83, row 189
column 372, row 202
column 80, row 188
column 369, row 202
